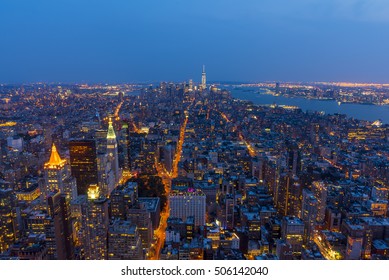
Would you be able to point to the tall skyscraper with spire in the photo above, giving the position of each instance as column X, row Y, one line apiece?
column 203, row 79
column 112, row 151
column 57, row 176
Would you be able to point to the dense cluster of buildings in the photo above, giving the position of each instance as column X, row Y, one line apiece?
column 184, row 171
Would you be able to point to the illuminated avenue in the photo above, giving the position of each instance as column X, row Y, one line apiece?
column 166, row 180
column 179, row 171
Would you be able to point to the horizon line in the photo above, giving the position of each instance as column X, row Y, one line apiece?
column 338, row 83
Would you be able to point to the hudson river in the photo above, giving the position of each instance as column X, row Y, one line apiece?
column 367, row 112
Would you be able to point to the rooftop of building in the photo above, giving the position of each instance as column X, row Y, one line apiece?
column 291, row 220
column 122, row 227
column 151, row 203
column 188, row 192
column 266, row 257
column 376, row 221
column 380, row 244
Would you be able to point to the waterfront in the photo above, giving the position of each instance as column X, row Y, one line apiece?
column 367, row 112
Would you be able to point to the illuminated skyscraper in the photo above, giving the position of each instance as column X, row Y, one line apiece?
column 106, row 176
column 7, row 234
column 101, row 141
column 83, row 161
column 309, row 214
column 58, row 177
column 112, row 151
column 95, row 225
column 289, row 195
column 203, row 79
column 320, row 190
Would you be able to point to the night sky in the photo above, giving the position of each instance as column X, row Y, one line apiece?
column 166, row 40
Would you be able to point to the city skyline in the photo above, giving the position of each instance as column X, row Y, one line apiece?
column 194, row 130
column 150, row 41
column 187, row 172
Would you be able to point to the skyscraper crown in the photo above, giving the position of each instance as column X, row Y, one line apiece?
column 55, row 160
column 111, row 132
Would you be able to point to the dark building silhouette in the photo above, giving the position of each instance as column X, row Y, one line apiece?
column 59, row 210
column 83, row 162
column 293, row 159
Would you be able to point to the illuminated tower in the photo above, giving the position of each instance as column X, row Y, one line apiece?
column 203, row 79
column 112, row 151
column 57, row 176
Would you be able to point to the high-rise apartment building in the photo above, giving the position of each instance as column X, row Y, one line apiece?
column 309, row 214
column 320, row 191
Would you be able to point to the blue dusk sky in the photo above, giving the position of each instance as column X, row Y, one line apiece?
column 170, row 40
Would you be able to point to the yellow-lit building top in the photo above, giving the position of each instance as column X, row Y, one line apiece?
column 55, row 161
column 93, row 192
column 111, row 132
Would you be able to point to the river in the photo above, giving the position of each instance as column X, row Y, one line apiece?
column 369, row 112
